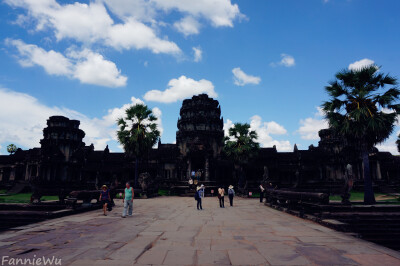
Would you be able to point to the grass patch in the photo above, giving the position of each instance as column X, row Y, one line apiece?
column 355, row 196
column 163, row 192
column 254, row 195
column 3, row 191
column 23, row 198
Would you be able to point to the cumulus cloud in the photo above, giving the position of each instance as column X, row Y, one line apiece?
column 361, row 64
column 310, row 126
column 389, row 146
column 86, row 66
column 23, row 118
column 221, row 13
column 264, row 131
column 227, row 125
column 181, row 88
column 91, row 23
column 240, row 78
column 136, row 26
column 188, row 26
column 197, row 54
column 286, row 61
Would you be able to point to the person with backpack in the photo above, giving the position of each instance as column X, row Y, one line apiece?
column 231, row 194
column 199, row 195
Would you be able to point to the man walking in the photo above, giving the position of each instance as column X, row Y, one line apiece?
column 200, row 196
column 127, row 200
column 221, row 194
column 231, row 194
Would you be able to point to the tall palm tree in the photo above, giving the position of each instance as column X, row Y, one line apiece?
column 363, row 110
column 398, row 143
column 137, row 133
column 241, row 145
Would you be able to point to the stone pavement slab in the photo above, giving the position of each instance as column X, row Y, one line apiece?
column 170, row 231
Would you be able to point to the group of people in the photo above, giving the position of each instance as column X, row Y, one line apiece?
column 129, row 193
column 200, row 192
column 127, row 200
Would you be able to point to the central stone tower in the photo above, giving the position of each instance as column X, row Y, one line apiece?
column 200, row 135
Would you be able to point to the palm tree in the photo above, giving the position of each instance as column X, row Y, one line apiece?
column 11, row 149
column 363, row 110
column 241, row 144
column 398, row 143
column 137, row 133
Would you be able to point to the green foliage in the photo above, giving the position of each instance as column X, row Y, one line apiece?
column 356, row 196
column 361, row 107
column 23, row 198
column 138, row 130
column 241, row 143
column 163, row 192
column 11, row 149
column 363, row 110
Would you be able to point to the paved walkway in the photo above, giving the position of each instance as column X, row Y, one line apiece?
column 169, row 231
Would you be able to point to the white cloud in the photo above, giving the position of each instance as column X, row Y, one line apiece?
column 310, row 126
column 240, row 78
column 188, row 26
column 92, row 24
column 181, row 88
column 54, row 63
column 264, row 131
column 389, row 146
column 227, row 125
column 286, row 61
column 136, row 23
column 361, row 64
column 86, row 66
column 92, row 68
column 197, row 54
column 23, row 118
column 221, row 13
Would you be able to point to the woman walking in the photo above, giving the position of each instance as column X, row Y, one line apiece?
column 231, row 194
column 105, row 198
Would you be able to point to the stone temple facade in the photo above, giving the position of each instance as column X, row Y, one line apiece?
column 65, row 162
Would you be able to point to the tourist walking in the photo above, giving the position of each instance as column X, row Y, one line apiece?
column 262, row 189
column 105, row 198
column 231, row 194
column 199, row 196
column 221, row 194
column 127, row 200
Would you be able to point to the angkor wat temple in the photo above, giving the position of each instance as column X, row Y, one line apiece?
column 63, row 160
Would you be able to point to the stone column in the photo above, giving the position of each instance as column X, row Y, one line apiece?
column 12, row 174
column 378, row 170
column 189, row 169
column 207, row 169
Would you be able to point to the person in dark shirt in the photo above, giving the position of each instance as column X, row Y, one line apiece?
column 105, row 198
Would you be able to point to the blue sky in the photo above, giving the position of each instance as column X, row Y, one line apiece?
column 267, row 62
